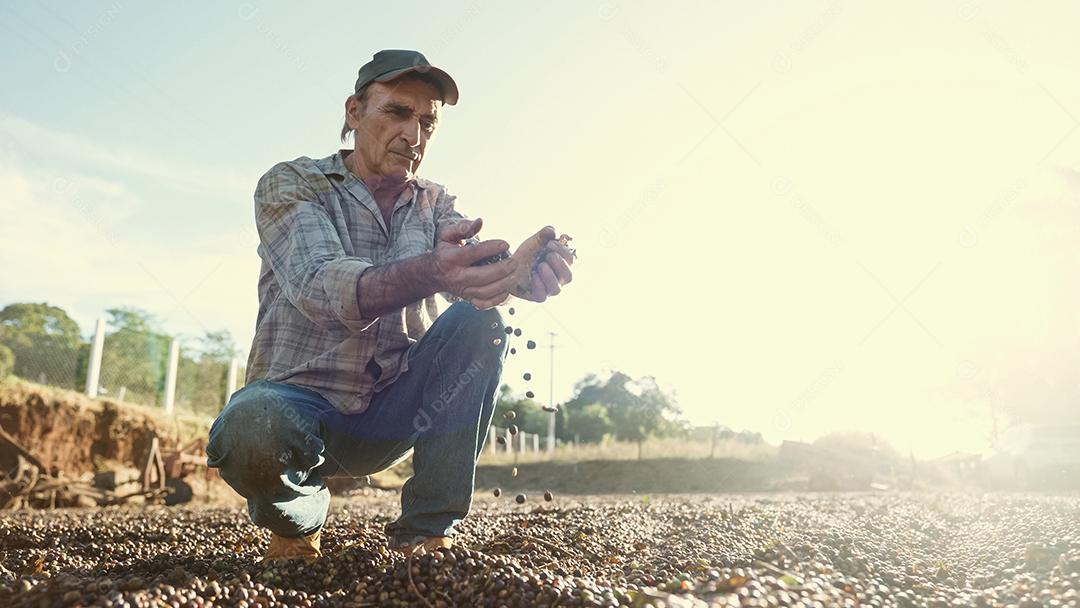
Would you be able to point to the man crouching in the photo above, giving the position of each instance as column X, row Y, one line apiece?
column 347, row 374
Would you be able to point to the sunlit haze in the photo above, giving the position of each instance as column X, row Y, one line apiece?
column 799, row 217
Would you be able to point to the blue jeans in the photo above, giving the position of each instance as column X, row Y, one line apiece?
column 276, row 443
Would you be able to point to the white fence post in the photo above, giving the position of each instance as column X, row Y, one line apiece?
column 230, row 381
column 521, row 442
column 551, row 433
column 93, row 369
column 493, row 440
column 536, row 442
column 170, row 375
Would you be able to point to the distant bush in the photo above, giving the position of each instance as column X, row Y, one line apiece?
column 7, row 361
column 859, row 444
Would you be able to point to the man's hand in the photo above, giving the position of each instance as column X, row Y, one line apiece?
column 485, row 286
column 552, row 259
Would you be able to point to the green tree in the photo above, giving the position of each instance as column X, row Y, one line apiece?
column 529, row 416
column 591, row 423
column 202, row 374
column 45, row 342
column 218, row 346
column 135, row 356
column 638, row 409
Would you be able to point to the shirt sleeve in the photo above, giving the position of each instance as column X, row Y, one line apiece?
column 446, row 215
column 299, row 241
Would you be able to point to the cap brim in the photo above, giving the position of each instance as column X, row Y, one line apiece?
column 449, row 87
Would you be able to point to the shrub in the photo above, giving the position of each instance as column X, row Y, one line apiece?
column 7, row 361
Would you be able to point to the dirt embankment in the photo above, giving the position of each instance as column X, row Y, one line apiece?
column 75, row 434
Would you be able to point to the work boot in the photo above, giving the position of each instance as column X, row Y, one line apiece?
column 422, row 547
column 301, row 547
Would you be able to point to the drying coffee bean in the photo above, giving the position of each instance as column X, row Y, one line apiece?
column 527, row 376
column 840, row 550
column 548, row 496
column 530, row 345
column 513, row 429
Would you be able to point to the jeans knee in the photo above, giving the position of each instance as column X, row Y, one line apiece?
column 258, row 437
column 481, row 330
column 466, row 316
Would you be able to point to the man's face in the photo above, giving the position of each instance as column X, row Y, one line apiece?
column 393, row 129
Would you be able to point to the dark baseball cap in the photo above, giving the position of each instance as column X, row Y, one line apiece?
column 391, row 63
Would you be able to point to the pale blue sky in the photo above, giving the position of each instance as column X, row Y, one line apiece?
column 799, row 217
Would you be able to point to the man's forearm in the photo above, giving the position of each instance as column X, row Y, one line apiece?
column 382, row 289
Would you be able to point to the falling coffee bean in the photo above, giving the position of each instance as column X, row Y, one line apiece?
column 511, row 311
column 527, row 376
column 501, row 440
column 510, row 415
column 513, row 351
column 548, row 496
column 517, row 332
column 529, row 394
column 520, row 498
column 497, row 341
column 513, row 472
column 550, row 408
column 509, row 330
column 513, row 429
column 530, row 345
column 497, row 492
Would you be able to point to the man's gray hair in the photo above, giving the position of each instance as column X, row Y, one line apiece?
column 362, row 99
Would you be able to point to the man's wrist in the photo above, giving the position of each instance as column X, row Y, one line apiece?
column 435, row 278
column 381, row 289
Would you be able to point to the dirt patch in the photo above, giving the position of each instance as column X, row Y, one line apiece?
column 74, row 434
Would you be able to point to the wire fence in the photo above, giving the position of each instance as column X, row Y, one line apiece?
column 137, row 366
column 47, row 362
column 502, row 440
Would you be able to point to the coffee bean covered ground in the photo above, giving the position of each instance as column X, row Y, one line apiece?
column 720, row 550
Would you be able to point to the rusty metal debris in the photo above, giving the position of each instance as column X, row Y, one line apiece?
column 158, row 479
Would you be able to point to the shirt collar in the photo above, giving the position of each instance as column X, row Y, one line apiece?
column 335, row 165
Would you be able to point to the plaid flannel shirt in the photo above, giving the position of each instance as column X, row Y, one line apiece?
column 319, row 229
